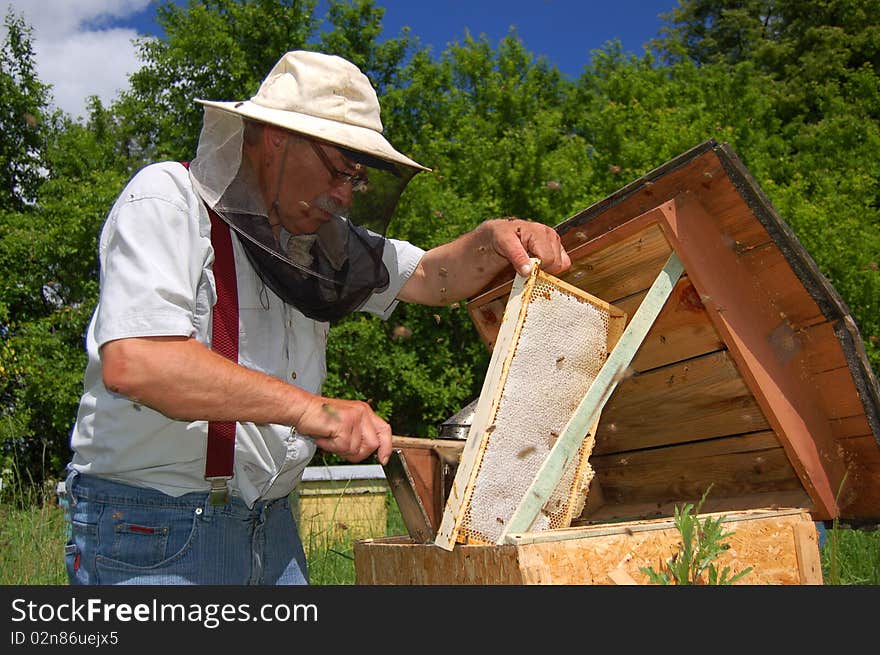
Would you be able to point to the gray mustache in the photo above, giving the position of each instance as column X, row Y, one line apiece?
column 329, row 205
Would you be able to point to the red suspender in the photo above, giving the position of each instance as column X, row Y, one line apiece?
column 224, row 340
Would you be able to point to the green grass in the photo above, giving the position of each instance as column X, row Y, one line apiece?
column 851, row 557
column 333, row 563
column 32, row 535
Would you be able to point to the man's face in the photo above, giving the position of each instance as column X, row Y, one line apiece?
column 313, row 181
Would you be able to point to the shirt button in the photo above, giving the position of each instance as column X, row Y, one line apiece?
column 293, row 375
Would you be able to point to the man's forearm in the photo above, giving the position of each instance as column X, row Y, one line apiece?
column 455, row 270
column 186, row 381
column 460, row 268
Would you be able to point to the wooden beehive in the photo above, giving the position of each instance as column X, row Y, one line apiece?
column 753, row 380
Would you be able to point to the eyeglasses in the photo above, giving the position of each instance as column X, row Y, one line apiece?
column 358, row 180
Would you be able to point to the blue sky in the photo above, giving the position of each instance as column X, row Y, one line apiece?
column 565, row 31
column 84, row 47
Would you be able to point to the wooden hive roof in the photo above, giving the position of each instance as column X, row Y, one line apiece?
column 754, row 377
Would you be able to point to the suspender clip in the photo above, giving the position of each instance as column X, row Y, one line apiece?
column 219, row 490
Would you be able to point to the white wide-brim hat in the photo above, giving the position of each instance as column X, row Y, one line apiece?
column 323, row 96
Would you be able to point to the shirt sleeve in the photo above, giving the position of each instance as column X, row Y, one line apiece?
column 154, row 252
column 401, row 258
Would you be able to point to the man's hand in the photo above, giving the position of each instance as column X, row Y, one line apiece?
column 517, row 241
column 348, row 428
column 460, row 268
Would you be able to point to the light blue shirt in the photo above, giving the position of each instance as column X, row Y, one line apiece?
column 156, row 280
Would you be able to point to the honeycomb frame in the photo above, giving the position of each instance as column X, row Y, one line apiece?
column 548, row 342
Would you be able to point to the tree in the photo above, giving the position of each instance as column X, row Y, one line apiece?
column 23, row 114
column 48, row 254
column 818, row 160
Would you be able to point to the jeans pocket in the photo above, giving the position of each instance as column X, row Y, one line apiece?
column 145, row 538
column 141, row 543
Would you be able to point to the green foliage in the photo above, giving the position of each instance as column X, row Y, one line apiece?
column 47, row 294
column 851, row 556
column 213, row 49
column 416, row 369
column 23, row 115
column 701, row 544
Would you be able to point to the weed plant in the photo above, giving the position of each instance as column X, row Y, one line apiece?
column 702, row 542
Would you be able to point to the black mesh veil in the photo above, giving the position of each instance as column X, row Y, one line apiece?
column 327, row 274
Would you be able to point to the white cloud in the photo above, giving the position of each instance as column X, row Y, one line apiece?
column 74, row 54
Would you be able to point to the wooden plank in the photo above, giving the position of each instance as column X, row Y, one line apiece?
column 423, row 467
column 806, row 544
column 737, row 466
column 631, row 511
column 746, row 319
column 448, row 449
column 588, row 410
column 737, row 443
column 624, row 266
column 837, row 393
column 412, row 509
column 770, row 270
column 398, row 561
column 822, row 349
column 850, row 426
column 729, row 474
column 621, row 577
column 682, row 330
column 860, row 495
column 699, row 398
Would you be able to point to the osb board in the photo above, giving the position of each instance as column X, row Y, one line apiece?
column 781, row 546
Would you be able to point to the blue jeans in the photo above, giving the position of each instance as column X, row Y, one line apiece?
column 120, row 534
